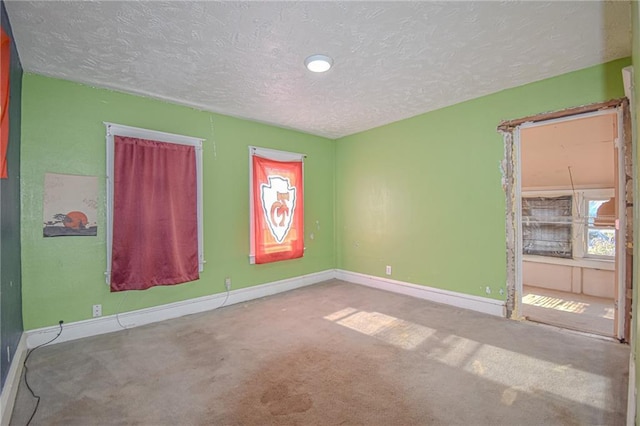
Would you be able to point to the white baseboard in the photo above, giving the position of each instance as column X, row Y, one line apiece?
column 108, row 324
column 632, row 392
column 460, row 300
column 10, row 389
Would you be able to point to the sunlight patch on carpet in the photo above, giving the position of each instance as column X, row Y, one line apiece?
column 400, row 333
column 517, row 372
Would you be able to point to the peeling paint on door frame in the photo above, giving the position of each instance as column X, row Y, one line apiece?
column 510, row 131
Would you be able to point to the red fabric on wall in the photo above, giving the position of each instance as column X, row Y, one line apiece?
column 5, row 71
column 155, row 220
column 278, row 210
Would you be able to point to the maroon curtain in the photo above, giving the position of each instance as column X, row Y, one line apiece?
column 155, row 220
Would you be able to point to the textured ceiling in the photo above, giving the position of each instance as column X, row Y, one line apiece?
column 392, row 60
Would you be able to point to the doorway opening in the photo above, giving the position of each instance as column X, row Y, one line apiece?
column 567, row 181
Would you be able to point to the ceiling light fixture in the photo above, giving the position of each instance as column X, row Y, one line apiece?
column 318, row 63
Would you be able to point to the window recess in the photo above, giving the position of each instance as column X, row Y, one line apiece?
column 547, row 226
column 157, row 165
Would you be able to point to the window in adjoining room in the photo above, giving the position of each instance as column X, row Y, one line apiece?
column 600, row 241
column 547, row 226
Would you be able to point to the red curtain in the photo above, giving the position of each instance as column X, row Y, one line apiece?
column 155, row 221
column 278, row 210
column 5, row 70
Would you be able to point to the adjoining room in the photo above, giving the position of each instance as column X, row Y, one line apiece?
column 569, row 184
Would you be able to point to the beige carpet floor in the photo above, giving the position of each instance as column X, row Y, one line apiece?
column 330, row 354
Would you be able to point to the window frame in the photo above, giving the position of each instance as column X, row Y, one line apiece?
column 587, row 227
column 112, row 130
column 580, row 212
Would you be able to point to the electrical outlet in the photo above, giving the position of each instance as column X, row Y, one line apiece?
column 97, row 311
column 388, row 270
column 227, row 283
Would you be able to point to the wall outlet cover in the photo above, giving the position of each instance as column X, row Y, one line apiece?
column 97, row 311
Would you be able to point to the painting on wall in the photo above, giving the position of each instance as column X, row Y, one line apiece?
column 70, row 205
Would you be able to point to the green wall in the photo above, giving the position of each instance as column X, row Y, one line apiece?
column 62, row 132
column 424, row 195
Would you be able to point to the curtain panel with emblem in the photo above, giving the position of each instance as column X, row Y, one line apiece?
column 278, row 209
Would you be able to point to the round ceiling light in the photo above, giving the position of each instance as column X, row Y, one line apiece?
column 318, row 63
